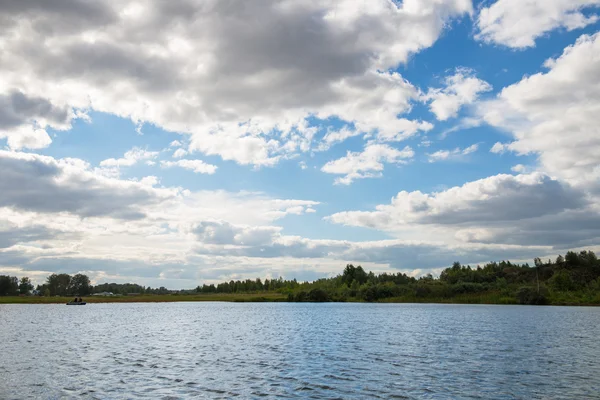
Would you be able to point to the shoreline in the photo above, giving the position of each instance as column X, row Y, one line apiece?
column 251, row 298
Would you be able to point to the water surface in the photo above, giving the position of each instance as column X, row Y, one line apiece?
column 287, row 350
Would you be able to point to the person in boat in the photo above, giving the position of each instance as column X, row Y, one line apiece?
column 75, row 300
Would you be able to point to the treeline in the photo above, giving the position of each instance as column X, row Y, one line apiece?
column 128, row 288
column 67, row 285
column 574, row 278
column 249, row 286
column 13, row 286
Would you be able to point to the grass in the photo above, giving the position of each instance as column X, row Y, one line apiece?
column 150, row 298
column 472, row 298
column 493, row 297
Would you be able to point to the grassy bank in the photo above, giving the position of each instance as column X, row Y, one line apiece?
column 166, row 298
column 495, row 297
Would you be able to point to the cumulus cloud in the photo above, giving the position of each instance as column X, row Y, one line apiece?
column 198, row 166
column 305, row 65
column 366, row 164
column 457, row 153
column 412, row 257
column 224, row 233
column 519, row 168
column 24, row 119
column 130, row 158
column 518, row 23
column 60, row 215
column 475, row 211
column 180, row 153
column 337, row 136
column 555, row 114
column 176, row 65
column 39, row 183
column 499, row 148
column 461, row 89
column 12, row 234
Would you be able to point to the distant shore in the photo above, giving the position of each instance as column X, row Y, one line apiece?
column 151, row 298
column 260, row 298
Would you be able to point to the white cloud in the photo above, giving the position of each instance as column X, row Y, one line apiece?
column 29, row 180
column 366, row 164
column 471, row 149
column 177, row 66
column 337, row 136
column 180, row 153
column 130, row 158
column 442, row 155
column 186, row 237
column 463, row 124
column 198, row 166
column 555, row 114
column 484, row 211
column 111, row 226
column 425, row 142
column 24, row 119
column 499, row 148
column 518, row 23
column 224, row 233
column 461, row 89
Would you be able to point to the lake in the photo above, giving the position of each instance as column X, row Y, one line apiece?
column 298, row 350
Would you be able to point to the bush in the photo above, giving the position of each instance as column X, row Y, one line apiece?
column 562, row 281
column 301, row 296
column 422, row 291
column 528, row 295
column 368, row 293
column 468, row 287
column 318, row 295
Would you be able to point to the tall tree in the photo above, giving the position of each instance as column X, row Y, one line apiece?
column 59, row 284
column 9, row 285
column 80, row 285
column 25, row 285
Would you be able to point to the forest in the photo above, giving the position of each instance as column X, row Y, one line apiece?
column 572, row 279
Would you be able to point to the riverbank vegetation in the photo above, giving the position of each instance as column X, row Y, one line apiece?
column 570, row 280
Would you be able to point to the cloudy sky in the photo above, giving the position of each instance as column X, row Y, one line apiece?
column 173, row 143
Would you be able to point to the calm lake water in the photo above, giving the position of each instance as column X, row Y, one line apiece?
column 320, row 351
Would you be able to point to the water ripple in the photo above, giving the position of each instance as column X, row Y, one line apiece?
column 320, row 351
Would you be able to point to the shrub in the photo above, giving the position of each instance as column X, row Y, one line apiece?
column 528, row 295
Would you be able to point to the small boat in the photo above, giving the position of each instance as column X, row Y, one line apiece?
column 76, row 303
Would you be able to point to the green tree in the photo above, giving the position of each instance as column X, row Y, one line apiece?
column 58, row 284
column 80, row 285
column 348, row 274
column 25, row 285
column 318, row 295
column 360, row 275
column 562, row 281
column 9, row 285
column 571, row 259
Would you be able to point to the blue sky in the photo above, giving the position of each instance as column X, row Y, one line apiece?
column 149, row 143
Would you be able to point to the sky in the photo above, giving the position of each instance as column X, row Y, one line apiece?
column 196, row 141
